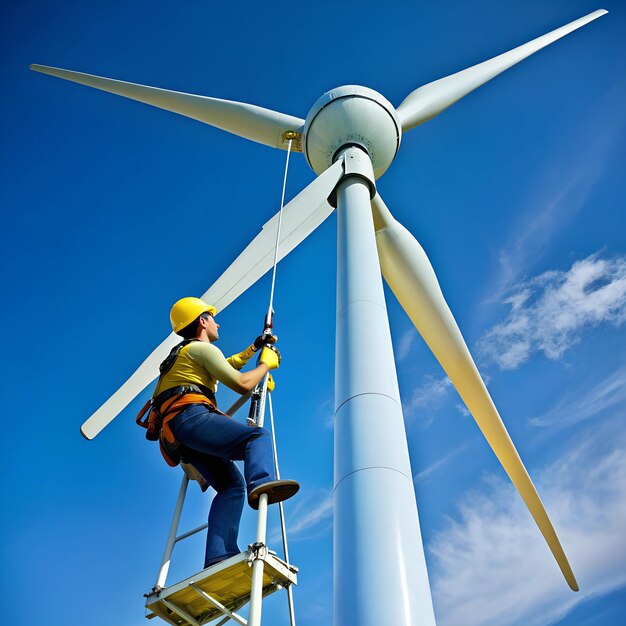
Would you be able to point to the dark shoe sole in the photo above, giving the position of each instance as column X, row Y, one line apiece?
column 276, row 490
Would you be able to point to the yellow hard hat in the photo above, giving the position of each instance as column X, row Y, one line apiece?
column 186, row 310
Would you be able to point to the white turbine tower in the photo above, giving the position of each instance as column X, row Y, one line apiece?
column 349, row 138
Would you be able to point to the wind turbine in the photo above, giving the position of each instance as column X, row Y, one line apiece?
column 349, row 138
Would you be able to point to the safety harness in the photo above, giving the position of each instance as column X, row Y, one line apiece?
column 162, row 408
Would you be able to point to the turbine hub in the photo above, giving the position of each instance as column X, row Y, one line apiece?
column 351, row 115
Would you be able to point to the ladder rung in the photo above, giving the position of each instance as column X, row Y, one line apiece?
column 189, row 533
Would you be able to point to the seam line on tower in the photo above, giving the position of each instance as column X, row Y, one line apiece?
column 340, row 312
column 365, row 394
column 362, row 469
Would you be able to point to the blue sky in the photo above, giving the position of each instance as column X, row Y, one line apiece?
column 112, row 210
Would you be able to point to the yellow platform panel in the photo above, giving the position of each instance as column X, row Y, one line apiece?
column 228, row 582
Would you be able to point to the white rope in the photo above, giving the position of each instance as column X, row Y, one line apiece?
column 270, row 312
column 260, row 416
column 292, row 611
column 264, row 395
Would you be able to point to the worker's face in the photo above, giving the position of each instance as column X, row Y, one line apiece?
column 211, row 327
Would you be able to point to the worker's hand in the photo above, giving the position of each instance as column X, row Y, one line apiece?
column 270, row 356
column 270, row 383
column 265, row 339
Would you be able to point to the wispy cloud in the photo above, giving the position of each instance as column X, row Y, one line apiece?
column 585, row 403
column 425, row 474
column 492, row 567
column 555, row 202
column 326, row 408
column 534, row 232
column 431, row 392
column 405, row 344
column 549, row 312
column 425, row 399
column 462, row 409
column 315, row 513
column 432, row 395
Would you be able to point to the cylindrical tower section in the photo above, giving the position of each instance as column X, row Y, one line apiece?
column 379, row 566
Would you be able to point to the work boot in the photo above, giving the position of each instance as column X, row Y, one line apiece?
column 276, row 490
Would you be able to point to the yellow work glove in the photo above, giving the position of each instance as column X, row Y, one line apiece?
column 270, row 356
column 270, row 383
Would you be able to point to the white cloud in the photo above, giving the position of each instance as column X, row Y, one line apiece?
column 316, row 511
column 326, row 408
column 424, row 401
column 556, row 200
column 431, row 392
column 405, row 344
column 491, row 567
column 534, row 231
column 585, row 403
column 425, row 474
column 549, row 313
column 462, row 409
column 426, row 398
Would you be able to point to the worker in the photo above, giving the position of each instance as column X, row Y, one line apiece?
column 196, row 432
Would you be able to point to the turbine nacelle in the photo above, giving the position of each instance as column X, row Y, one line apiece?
column 351, row 115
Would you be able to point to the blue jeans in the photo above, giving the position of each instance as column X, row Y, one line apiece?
column 211, row 443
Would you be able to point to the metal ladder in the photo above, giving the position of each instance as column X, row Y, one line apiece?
column 222, row 589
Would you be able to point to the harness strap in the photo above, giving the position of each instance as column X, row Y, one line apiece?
column 172, row 407
column 160, row 399
column 164, row 408
column 168, row 443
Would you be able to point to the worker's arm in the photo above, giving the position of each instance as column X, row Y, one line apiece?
column 212, row 359
column 241, row 358
column 249, row 379
column 269, row 359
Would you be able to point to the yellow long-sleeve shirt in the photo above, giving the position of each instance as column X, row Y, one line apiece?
column 200, row 363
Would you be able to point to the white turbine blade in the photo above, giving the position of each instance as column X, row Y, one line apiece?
column 410, row 275
column 429, row 100
column 144, row 375
column 300, row 218
column 246, row 120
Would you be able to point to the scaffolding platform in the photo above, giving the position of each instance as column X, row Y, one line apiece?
column 219, row 591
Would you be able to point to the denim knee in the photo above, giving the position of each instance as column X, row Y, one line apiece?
column 236, row 487
column 262, row 433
